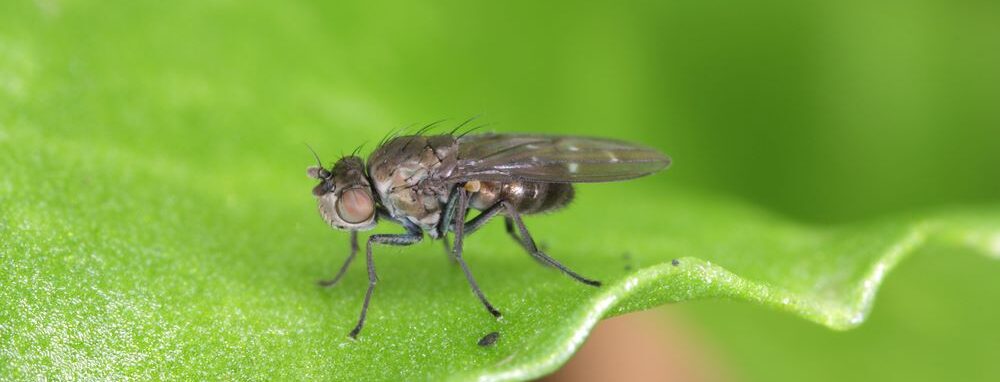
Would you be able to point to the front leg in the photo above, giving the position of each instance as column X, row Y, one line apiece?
column 412, row 236
column 347, row 263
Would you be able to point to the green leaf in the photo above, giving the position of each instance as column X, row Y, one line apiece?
column 922, row 328
column 118, row 264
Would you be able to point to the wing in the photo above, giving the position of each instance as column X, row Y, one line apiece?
column 552, row 159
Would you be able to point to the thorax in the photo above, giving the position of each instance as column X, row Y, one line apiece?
column 402, row 171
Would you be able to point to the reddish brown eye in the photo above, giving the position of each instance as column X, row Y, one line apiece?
column 355, row 206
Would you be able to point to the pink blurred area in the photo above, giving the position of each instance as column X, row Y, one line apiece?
column 656, row 345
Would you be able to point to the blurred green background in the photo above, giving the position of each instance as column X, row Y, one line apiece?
column 826, row 112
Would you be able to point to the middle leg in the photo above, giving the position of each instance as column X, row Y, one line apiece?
column 463, row 206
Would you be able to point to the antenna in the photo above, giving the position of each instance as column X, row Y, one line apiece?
column 318, row 162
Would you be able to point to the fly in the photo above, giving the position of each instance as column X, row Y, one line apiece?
column 429, row 183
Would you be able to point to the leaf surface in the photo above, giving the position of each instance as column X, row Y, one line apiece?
column 119, row 265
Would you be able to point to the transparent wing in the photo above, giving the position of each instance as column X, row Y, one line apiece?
column 552, row 159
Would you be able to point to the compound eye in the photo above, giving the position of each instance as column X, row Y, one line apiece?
column 355, row 206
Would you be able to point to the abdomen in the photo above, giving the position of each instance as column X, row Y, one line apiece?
column 527, row 197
